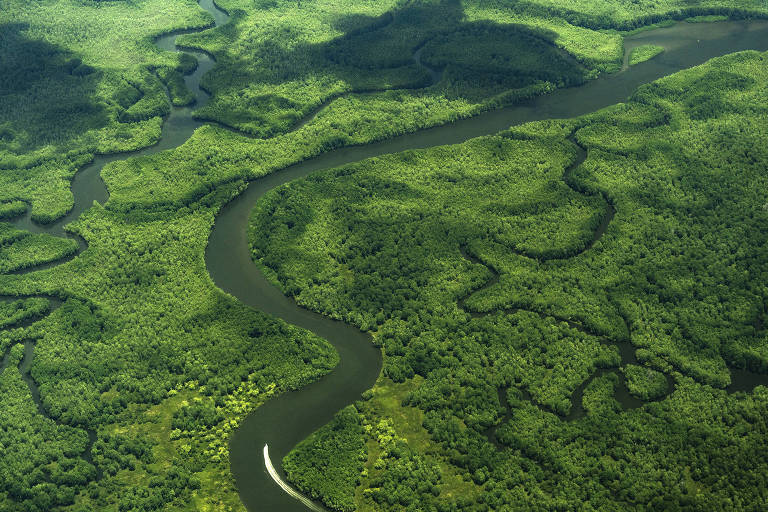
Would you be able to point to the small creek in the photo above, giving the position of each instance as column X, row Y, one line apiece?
column 87, row 187
column 291, row 417
column 287, row 419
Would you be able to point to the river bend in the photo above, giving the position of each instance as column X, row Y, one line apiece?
column 285, row 420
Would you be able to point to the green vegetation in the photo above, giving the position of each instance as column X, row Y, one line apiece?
column 77, row 78
column 644, row 53
column 598, row 50
column 706, row 19
column 404, row 467
column 681, row 163
column 485, row 59
column 177, row 90
column 598, row 398
column 40, row 467
column 278, row 65
column 612, row 14
column 16, row 311
column 87, row 377
column 10, row 209
column 327, row 465
column 20, row 249
column 645, row 383
column 137, row 369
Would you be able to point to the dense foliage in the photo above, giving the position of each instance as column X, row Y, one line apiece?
column 125, row 370
column 679, row 272
column 88, row 377
column 645, row 383
column 40, row 467
column 327, row 465
column 645, row 52
column 283, row 60
column 13, row 312
column 278, row 65
column 20, row 249
column 615, row 14
column 77, row 78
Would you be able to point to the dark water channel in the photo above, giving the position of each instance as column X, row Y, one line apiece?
column 88, row 187
column 291, row 417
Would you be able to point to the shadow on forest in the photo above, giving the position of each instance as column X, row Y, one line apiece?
column 45, row 90
column 378, row 54
column 744, row 378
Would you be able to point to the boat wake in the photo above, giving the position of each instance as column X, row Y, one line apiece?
column 287, row 488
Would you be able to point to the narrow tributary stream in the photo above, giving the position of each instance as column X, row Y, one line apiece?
column 284, row 421
column 87, row 187
column 291, row 417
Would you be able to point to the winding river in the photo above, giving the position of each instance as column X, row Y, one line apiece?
column 284, row 421
column 291, row 417
column 87, row 187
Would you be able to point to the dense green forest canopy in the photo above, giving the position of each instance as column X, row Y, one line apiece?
column 643, row 53
column 76, row 79
column 124, row 370
column 287, row 63
column 679, row 273
column 278, row 62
